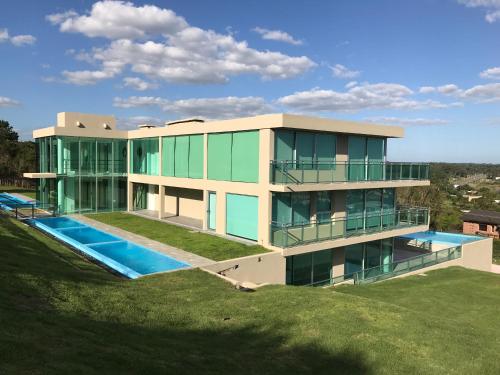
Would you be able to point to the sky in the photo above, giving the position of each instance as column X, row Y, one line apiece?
column 431, row 66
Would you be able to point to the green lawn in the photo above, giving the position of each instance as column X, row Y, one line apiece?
column 60, row 314
column 496, row 251
column 206, row 245
column 15, row 189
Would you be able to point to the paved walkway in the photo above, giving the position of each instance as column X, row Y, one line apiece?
column 185, row 256
column 24, row 197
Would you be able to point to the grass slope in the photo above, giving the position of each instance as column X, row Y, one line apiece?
column 15, row 189
column 206, row 245
column 61, row 314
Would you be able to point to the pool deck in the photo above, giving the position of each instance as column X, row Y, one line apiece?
column 21, row 196
column 184, row 256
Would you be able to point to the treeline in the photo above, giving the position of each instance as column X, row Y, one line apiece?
column 16, row 157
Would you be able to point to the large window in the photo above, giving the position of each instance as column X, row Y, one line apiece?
column 234, row 156
column 305, row 269
column 305, row 149
column 182, row 156
column 370, row 208
column 369, row 255
column 144, row 156
column 291, row 208
column 366, row 157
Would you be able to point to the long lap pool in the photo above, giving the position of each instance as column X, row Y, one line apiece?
column 125, row 257
column 9, row 202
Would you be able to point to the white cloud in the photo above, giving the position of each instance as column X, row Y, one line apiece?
column 492, row 8
column 277, row 35
column 8, row 102
column 406, row 121
column 341, row 71
column 426, row 89
column 23, row 40
column 16, row 40
column 208, row 108
column 491, row 73
column 4, row 35
column 181, row 53
column 138, row 84
column 448, row 89
column 87, row 77
column 351, row 84
column 119, row 19
column 366, row 96
column 483, row 93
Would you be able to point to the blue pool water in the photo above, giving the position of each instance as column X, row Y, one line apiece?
column 442, row 237
column 9, row 201
column 123, row 256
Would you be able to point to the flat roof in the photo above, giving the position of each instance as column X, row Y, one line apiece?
column 482, row 216
column 268, row 121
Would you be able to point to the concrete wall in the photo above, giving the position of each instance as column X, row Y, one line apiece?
column 477, row 255
column 257, row 269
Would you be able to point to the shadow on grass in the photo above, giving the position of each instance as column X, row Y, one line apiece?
column 55, row 319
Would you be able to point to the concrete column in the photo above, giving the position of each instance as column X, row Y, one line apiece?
column 339, row 203
column 265, row 214
column 266, row 154
column 220, row 215
column 338, row 261
column 130, row 196
column 160, row 157
column 161, row 203
column 342, row 151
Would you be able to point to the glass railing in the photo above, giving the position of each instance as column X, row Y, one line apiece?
column 300, row 172
column 387, row 271
column 288, row 235
column 99, row 167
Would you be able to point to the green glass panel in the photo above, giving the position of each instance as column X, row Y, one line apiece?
column 302, row 267
column 282, row 208
column 120, row 156
column 304, row 149
column 245, row 157
column 242, row 215
column 284, row 145
column 88, row 194
column 373, row 207
column 70, row 194
column 168, row 156
column 120, row 193
column 325, row 150
column 196, row 156
column 356, row 147
column 353, row 258
column 375, row 157
column 301, row 208
column 355, row 205
column 104, row 194
column 181, row 156
column 322, row 265
column 386, row 254
column 87, row 156
column 372, row 255
column 219, row 160
column 323, row 206
column 104, row 156
column 140, row 199
column 388, row 205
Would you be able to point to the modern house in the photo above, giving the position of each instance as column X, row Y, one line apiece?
column 320, row 193
column 482, row 222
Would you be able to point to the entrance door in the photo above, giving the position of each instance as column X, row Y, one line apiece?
column 212, row 202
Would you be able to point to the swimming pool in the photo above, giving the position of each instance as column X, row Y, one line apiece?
column 9, row 201
column 123, row 256
column 442, row 237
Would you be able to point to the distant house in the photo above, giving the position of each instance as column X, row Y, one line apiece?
column 482, row 222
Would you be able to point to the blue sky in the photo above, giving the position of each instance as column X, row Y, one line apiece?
column 432, row 66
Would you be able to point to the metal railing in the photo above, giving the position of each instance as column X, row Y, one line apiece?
column 104, row 167
column 387, row 271
column 29, row 210
column 304, row 172
column 289, row 235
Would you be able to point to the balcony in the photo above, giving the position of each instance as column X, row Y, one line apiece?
column 314, row 172
column 289, row 235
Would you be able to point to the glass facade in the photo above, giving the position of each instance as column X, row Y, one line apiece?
column 90, row 174
column 182, row 156
column 372, row 208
